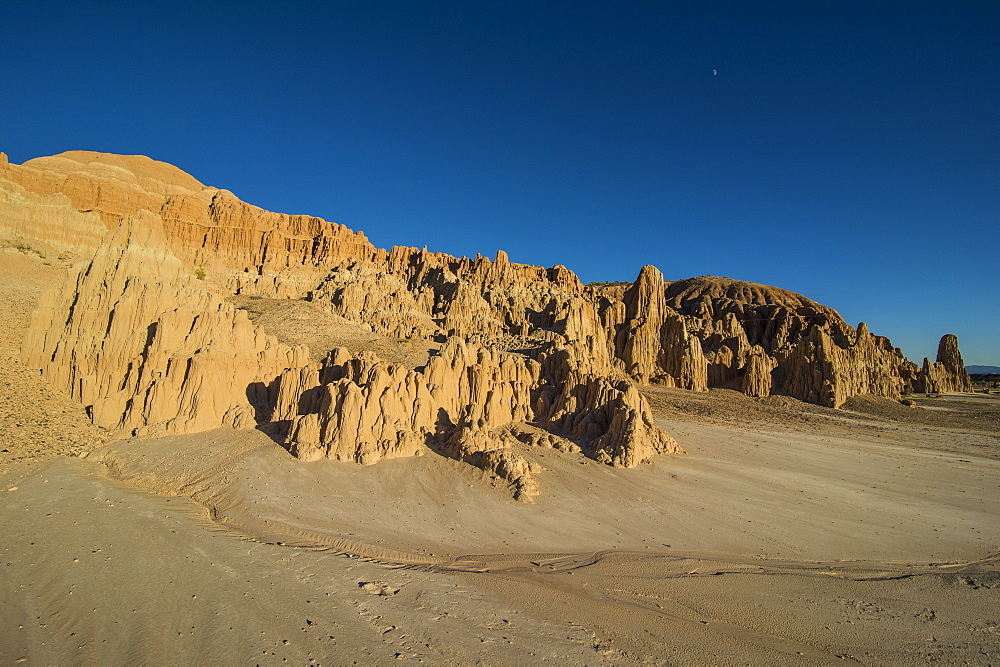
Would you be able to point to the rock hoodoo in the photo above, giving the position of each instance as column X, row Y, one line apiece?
column 948, row 372
column 141, row 332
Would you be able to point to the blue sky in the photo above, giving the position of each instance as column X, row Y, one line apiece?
column 846, row 151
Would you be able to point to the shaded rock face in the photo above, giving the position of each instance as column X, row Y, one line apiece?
column 142, row 335
column 763, row 340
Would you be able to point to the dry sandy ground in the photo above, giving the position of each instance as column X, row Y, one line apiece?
column 787, row 534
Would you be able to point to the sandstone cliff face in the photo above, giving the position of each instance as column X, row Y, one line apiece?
column 142, row 335
column 47, row 218
column 133, row 338
column 418, row 293
column 769, row 317
column 238, row 246
column 819, row 370
column 715, row 332
column 109, row 186
column 253, row 251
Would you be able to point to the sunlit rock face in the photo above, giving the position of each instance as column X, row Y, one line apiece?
column 948, row 372
column 141, row 332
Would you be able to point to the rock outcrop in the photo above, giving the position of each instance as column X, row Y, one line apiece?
column 237, row 246
column 142, row 334
column 818, row 370
column 762, row 340
column 135, row 339
column 651, row 339
column 466, row 403
column 46, row 218
column 948, row 373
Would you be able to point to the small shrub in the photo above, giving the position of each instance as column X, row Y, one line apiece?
column 199, row 273
column 18, row 243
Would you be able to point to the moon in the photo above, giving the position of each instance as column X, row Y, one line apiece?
column 715, row 72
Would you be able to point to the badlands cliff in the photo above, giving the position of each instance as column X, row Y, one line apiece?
column 144, row 332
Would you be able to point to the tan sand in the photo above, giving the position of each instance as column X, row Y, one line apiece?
column 802, row 496
column 788, row 533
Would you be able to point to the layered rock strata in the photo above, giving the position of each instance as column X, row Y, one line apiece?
column 237, row 246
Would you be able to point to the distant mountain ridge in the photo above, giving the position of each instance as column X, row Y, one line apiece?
column 982, row 370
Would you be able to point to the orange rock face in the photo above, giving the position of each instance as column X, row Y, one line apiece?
column 948, row 372
column 145, row 347
column 141, row 333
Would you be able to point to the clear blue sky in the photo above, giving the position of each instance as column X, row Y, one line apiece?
column 849, row 151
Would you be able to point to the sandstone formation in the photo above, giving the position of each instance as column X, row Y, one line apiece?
column 948, row 372
column 763, row 340
column 651, row 339
column 145, row 348
column 469, row 403
column 239, row 246
column 43, row 216
column 141, row 332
